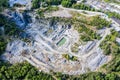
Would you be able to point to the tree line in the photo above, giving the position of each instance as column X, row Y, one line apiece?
column 26, row 71
column 64, row 3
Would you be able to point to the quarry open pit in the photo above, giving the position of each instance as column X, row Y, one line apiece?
column 48, row 42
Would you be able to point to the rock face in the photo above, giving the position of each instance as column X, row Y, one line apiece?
column 21, row 19
column 43, row 50
column 26, row 3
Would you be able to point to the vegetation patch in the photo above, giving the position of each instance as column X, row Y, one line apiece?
column 113, row 15
column 99, row 22
column 41, row 11
column 112, row 1
column 82, row 7
column 68, row 57
column 111, row 47
column 75, row 48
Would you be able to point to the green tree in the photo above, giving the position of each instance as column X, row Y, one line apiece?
column 3, row 4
